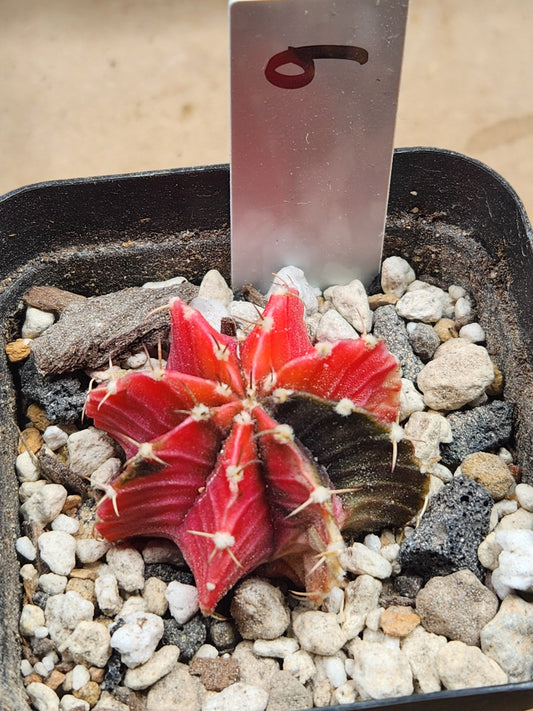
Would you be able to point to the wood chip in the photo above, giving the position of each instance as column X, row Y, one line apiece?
column 251, row 294
column 58, row 473
column 50, row 298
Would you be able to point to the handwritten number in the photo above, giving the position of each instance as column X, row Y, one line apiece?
column 304, row 57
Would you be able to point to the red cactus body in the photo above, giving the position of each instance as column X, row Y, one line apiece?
column 232, row 449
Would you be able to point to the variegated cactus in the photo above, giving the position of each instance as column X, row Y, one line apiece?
column 258, row 453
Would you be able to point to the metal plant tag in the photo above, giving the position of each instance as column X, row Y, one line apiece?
column 314, row 90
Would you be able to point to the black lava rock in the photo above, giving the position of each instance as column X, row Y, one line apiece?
column 168, row 572
column 113, row 673
column 449, row 533
column 188, row 637
column 477, row 430
column 389, row 326
column 407, row 585
column 61, row 397
column 424, row 341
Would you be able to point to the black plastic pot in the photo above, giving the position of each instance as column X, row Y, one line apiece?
column 453, row 218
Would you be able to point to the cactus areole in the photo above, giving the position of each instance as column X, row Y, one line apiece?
column 258, row 453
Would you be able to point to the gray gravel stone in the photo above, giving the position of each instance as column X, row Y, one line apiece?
column 178, row 691
column 450, row 531
column 223, row 635
column 456, row 606
column 482, row 428
column 286, row 693
column 424, row 341
column 389, row 326
column 114, row 672
column 259, row 610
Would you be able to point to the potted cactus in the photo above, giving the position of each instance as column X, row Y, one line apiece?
column 450, row 216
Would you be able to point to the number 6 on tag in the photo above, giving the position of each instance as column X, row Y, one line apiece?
column 314, row 89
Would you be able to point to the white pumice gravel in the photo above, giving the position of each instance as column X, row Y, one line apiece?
column 26, row 467
column 334, row 327
column 295, row 277
column 137, row 638
column 351, row 302
column 213, row 286
column 24, row 547
column 44, row 505
column 54, row 437
column 396, row 275
column 182, row 601
column 64, row 523
column 93, row 610
column 36, row 322
column 58, row 551
column 211, row 309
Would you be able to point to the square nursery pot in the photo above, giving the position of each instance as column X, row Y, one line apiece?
column 452, row 218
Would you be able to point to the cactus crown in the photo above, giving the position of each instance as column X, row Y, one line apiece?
column 258, row 453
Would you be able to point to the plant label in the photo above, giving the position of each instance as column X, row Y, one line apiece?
column 314, row 91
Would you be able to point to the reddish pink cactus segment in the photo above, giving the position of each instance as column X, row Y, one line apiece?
column 161, row 483
column 201, row 351
column 211, row 468
column 228, row 531
column 279, row 336
column 142, row 406
column 362, row 371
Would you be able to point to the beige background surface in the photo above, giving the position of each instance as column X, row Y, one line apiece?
column 91, row 87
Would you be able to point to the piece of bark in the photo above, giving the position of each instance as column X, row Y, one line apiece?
column 50, row 298
column 91, row 332
column 58, row 473
column 251, row 294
